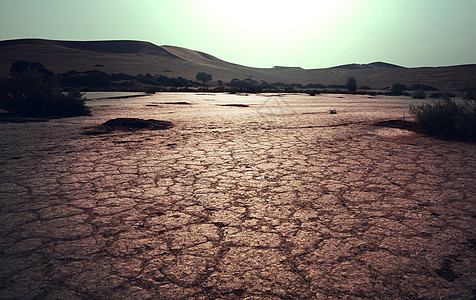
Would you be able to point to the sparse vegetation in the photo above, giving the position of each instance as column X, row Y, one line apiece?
column 33, row 90
column 95, row 80
column 423, row 87
column 313, row 93
column 447, row 117
column 99, row 81
column 469, row 93
column 366, row 87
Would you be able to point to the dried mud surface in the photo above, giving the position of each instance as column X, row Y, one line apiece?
column 278, row 200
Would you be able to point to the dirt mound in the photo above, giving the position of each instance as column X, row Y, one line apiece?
column 134, row 123
column 130, row 124
column 234, row 105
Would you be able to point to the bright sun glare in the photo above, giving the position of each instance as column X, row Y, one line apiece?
column 266, row 32
column 271, row 18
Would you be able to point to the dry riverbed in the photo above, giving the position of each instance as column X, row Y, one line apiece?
column 260, row 196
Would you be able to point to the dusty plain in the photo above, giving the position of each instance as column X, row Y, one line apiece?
column 278, row 200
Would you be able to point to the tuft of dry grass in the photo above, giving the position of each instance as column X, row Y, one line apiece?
column 447, row 118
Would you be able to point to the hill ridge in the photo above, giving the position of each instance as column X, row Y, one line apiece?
column 377, row 64
column 105, row 46
column 139, row 57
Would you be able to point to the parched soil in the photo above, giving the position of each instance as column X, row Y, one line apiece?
column 278, row 200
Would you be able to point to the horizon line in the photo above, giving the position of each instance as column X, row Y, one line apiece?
column 272, row 67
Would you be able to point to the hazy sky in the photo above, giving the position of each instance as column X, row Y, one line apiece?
column 261, row 33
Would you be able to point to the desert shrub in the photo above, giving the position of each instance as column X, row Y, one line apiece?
column 313, row 93
column 32, row 90
column 469, row 93
column 447, row 118
column 419, row 95
column 397, row 89
column 66, row 105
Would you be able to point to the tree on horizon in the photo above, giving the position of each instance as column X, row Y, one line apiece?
column 397, row 89
column 204, row 77
column 351, row 84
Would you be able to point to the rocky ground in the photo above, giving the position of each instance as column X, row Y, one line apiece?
column 276, row 200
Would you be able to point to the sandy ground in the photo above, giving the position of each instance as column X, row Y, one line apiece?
column 277, row 200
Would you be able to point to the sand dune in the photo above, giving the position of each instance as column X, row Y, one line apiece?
column 193, row 56
column 136, row 57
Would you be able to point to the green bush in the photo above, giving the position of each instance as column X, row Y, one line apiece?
column 447, row 118
column 32, row 90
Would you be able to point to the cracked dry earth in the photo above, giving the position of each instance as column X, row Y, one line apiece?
column 278, row 200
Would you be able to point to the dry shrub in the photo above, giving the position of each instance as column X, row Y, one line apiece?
column 447, row 118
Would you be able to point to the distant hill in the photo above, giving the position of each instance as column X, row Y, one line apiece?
column 116, row 47
column 136, row 57
column 288, row 68
column 378, row 64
